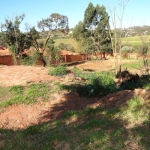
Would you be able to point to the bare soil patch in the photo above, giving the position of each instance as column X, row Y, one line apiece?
column 23, row 116
column 100, row 65
column 22, row 75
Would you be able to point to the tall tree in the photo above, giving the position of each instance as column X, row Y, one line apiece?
column 47, row 26
column 54, row 23
column 79, row 31
column 96, row 33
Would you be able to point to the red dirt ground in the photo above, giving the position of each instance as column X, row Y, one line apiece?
column 23, row 116
column 21, row 75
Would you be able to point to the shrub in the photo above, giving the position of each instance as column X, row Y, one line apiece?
column 30, row 60
column 96, row 86
column 102, row 85
column 27, row 61
column 58, row 71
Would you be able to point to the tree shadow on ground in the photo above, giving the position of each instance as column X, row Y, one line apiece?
column 72, row 101
column 81, row 123
column 81, row 133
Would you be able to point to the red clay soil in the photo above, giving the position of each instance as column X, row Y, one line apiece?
column 21, row 75
column 22, row 116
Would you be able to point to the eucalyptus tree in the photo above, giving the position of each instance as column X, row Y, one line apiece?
column 79, row 31
column 96, row 20
column 94, row 30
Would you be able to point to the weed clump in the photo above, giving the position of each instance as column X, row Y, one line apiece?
column 58, row 71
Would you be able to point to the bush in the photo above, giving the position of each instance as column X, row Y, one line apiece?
column 95, row 87
column 58, row 71
column 30, row 60
column 102, row 85
column 27, row 61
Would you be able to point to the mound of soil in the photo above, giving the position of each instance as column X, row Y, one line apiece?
column 23, row 116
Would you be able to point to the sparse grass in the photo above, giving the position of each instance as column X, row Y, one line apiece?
column 107, row 129
column 67, row 41
column 147, row 86
column 4, row 93
column 133, row 65
column 135, row 113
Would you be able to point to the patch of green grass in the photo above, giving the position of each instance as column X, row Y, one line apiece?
column 27, row 95
column 135, row 40
column 18, row 89
column 4, row 93
column 58, row 71
column 98, row 84
column 133, row 65
column 147, row 85
column 136, row 112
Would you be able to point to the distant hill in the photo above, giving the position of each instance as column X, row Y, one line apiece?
column 136, row 31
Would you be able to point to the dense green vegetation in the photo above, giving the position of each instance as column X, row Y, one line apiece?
column 58, row 71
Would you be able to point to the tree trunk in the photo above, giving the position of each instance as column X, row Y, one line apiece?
column 43, row 61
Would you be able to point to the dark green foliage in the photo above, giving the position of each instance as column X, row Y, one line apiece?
column 93, row 32
column 96, row 86
column 30, row 60
column 14, row 37
column 99, row 86
column 58, row 71
column 79, row 31
column 53, row 53
column 27, row 61
column 3, row 43
column 142, row 82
